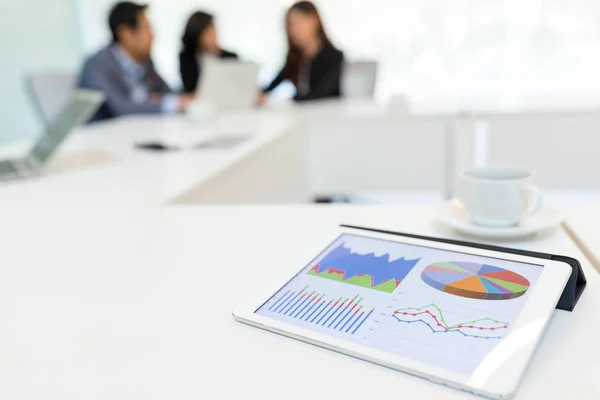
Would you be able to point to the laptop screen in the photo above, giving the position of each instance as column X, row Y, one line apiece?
column 81, row 106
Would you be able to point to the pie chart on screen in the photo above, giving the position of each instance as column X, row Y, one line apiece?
column 475, row 281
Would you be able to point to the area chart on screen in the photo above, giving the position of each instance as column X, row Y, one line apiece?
column 381, row 273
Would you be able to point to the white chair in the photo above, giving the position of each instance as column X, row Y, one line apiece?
column 51, row 92
column 358, row 79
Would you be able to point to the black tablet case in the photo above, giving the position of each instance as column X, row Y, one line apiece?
column 573, row 289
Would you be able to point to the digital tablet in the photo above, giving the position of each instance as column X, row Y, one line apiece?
column 464, row 317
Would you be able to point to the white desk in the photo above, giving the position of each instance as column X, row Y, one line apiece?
column 244, row 174
column 136, row 304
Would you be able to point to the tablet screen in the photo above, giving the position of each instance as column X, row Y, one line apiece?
column 443, row 308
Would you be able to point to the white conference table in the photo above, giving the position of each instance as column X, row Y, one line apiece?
column 98, row 165
column 294, row 154
column 136, row 303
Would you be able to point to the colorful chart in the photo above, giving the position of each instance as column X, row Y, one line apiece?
column 433, row 317
column 475, row 281
column 365, row 270
column 344, row 314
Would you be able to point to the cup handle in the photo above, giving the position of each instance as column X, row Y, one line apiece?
column 534, row 196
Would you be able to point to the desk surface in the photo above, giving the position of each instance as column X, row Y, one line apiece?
column 138, row 177
column 137, row 304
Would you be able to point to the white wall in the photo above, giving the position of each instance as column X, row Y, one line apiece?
column 436, row 49
column 561, row 147
column 35, row 35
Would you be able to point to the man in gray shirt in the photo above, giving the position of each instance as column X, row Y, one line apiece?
column 124, row 72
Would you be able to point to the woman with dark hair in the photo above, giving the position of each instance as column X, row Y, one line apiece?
column 313, row 64
column 199, row 40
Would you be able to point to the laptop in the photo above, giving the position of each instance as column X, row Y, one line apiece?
column 49, row 93
column 81, row 106
column 228, row 84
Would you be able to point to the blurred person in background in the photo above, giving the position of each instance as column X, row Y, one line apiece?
column 313, row 64
column 124, row 71
column 199, row 41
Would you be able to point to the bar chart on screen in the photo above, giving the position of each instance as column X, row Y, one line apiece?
column 341, row 313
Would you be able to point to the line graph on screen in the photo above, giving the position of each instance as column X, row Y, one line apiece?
column 433, row 317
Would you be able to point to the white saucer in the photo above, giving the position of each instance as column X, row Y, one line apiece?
column 454, row 216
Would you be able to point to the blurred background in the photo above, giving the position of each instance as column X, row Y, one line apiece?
column 489, row 51
column 465, row 83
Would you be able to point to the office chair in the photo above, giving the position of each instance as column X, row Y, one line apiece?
column 358, row 79
column 50, row 93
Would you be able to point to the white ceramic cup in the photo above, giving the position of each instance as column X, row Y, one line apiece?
column 498, row 196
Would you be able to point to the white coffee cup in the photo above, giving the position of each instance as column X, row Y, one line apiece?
column 498, row 196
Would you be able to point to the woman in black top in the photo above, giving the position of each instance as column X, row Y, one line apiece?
column 313, row 64
column 199, row 39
